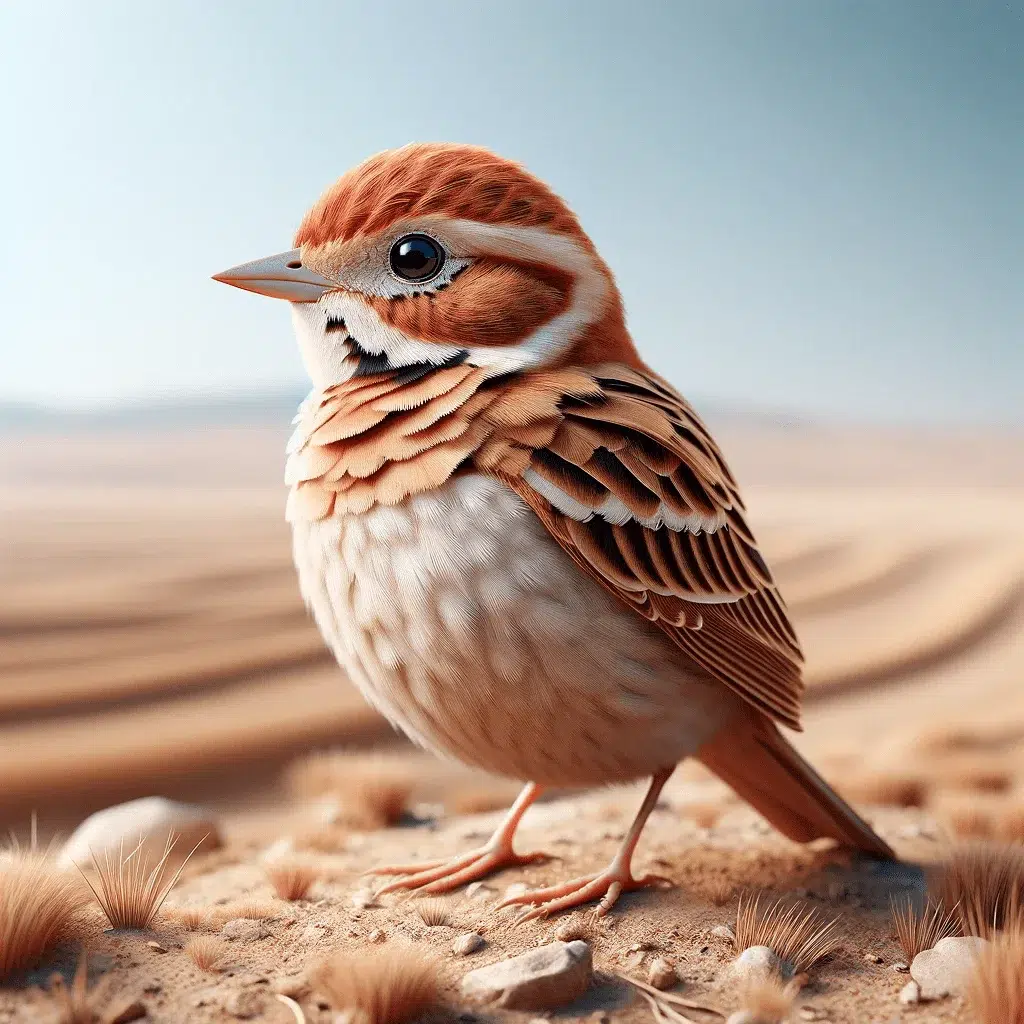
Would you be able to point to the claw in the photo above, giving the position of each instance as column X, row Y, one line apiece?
column 606, row 886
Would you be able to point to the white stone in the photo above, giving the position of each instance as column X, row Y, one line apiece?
column 910, row 993
column 723, row 931
column 470, row 942
column 662, row 974
column 757, row 961
column 543, row 978
column 946, row 969
column 150, row 819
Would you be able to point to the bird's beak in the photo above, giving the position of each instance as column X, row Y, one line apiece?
column 281, row 277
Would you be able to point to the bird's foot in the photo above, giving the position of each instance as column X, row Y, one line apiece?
column 445, row 875
column 606, row 886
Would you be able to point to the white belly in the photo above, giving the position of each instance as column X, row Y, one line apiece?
column 464, row 623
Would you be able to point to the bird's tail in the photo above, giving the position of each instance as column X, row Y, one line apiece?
column 760, row 764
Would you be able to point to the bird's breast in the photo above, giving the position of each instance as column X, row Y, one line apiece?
column 462, row 621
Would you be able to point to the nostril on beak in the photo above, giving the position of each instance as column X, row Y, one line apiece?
column 293, row 264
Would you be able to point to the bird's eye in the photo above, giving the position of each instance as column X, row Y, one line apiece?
column 416, row 258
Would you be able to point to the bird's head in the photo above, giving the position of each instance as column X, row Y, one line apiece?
column 440, row 253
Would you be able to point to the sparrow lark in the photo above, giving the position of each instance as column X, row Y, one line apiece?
column 522, row 544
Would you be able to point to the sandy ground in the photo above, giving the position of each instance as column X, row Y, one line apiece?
column 153, row 640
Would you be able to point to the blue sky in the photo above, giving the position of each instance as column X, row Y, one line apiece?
column 810, row 205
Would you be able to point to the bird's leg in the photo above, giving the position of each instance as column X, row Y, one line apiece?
column 607, row 885
column 497, row 853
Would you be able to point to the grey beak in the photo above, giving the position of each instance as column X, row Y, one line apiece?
column 281, row 277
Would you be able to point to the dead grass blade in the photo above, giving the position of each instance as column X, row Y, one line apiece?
column 297, row 1012
column 984, row 883
column 995, row 992
column 919, row 929
column 39, row 907
column 667, row 1007
column 130, row 892
column 797, row 934
column 394, row 986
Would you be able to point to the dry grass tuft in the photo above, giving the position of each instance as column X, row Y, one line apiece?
column 995, row 992
column 797, row 934
column 291, row 880
column 39, row 907
column 253, row 909
column 433, row 913
column 479, row 798
column 918, row 929
column 130, row 891
column 767, row 1000
column 207, row 952
column 703, row 815
column 190, row 918
column 393, row 986
column 579, row 926
column 984, row 884
column 372, row 790
column 884, row 789
column 719, row 890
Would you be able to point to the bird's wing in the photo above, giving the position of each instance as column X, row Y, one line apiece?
column 632, row 486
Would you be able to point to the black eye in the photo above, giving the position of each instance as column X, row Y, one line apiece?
column 416, row 258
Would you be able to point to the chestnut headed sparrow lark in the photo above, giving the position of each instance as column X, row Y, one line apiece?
column 521, row 543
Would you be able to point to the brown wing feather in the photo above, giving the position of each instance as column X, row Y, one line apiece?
column 708, row 588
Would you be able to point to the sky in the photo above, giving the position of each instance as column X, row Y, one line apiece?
column 812, row 206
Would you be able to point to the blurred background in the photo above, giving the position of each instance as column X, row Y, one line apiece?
column 815, row 212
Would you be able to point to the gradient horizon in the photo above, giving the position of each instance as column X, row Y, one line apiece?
column 813, row 207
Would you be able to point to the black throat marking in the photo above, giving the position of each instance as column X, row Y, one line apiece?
column 371, row 363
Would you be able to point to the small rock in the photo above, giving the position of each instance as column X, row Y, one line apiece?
column 662, row 974
column 633, row 960
column 470, row 942
column 757, row 961
column 900, row 967
column 378, row 935
column 246, row 1003
column 245, row 929
column 475, row 889
column 910, row 993
column 151, row 819
column 872, row 958
column 945, row 970
column 127, row 1012
column 723, row 931
column 808, row 1013
column 156, row 947
column 543, row 978
column 363, row 898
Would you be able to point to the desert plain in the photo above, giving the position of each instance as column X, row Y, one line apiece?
column 153, row 641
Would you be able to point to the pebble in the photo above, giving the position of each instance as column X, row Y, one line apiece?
column 946, row 969
column 723, row 931
column 151, row 819
column 543, row 978
column 468, row 943
column 246, row 1003
column 378, row 935
column 900, row 967
column 661, row 974
column 872, row 958
column 245, row 929
column 910, row 993
column 156, row 947
column 757, row 961
column 475, row 889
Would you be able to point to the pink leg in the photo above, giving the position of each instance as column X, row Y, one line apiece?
column 607, row 885
column 445, row 875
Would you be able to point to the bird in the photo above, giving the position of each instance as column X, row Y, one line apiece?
column 522, row 544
